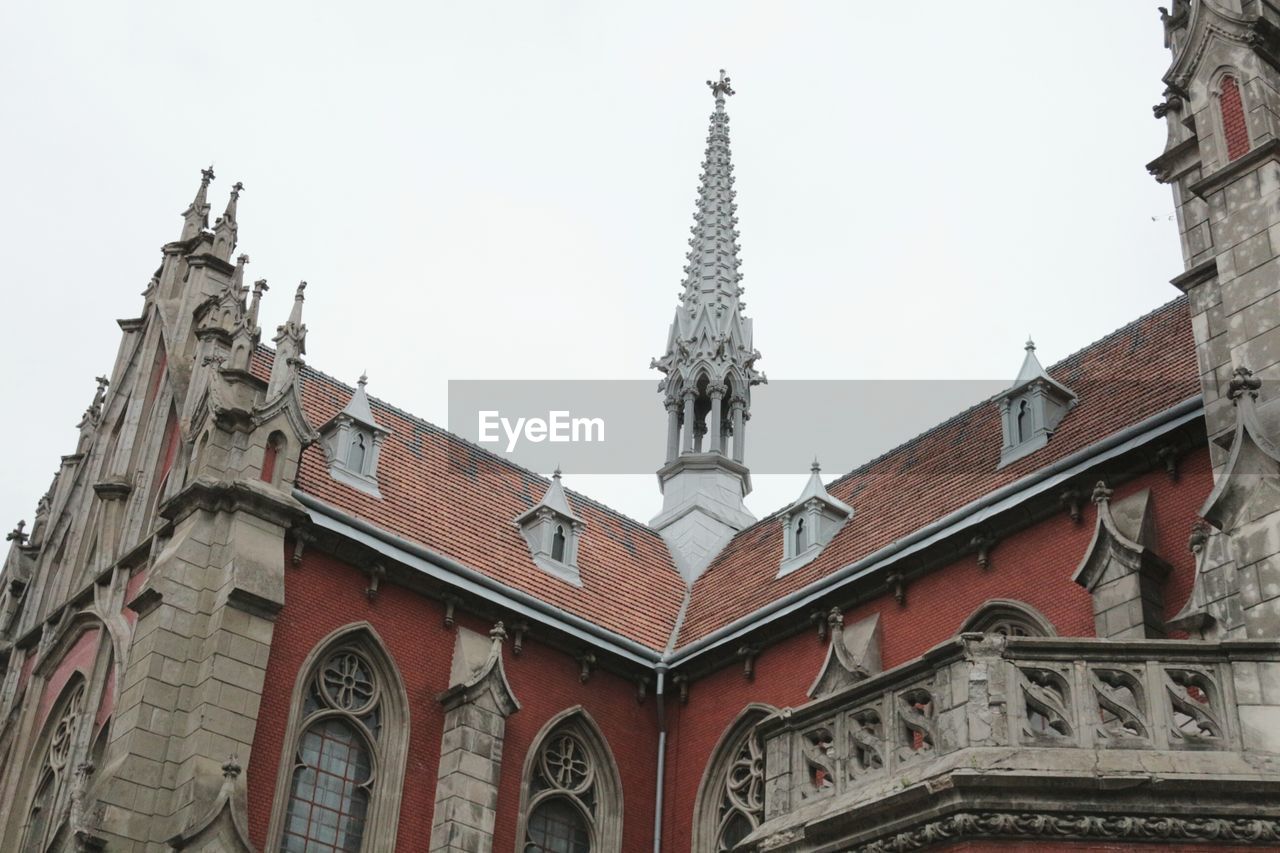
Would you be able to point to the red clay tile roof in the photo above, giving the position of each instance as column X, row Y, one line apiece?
column 459, row 499
column 1134, row 373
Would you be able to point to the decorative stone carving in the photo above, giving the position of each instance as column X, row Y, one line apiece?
column 1121, row 573
column 852, row 655
column 224, row 826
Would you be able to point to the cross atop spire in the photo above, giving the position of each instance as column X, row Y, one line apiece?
column 721, row 89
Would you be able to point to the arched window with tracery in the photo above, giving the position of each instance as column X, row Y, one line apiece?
column 46, row 813
column 341, row 781
column 1009, row 619
column 730, row 802
column 572, row 797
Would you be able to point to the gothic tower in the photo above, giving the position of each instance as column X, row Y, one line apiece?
column 710, row 368
column 1222, row 105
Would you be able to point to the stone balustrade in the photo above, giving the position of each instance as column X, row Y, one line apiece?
column 1031, row 727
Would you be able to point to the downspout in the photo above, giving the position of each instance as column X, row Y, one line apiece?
column 661, row 670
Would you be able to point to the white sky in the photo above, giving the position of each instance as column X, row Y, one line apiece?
column 504, row 189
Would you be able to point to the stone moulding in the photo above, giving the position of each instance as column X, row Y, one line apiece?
column 966, row 825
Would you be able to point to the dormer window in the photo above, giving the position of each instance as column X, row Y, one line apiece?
column 352, row 441
column 1031, row 409
column 810, row 523
column 553, row 532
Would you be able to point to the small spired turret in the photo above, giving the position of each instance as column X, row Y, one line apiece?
column 1031, row 408
column 710, row 369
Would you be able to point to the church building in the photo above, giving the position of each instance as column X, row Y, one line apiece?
column 259, row 609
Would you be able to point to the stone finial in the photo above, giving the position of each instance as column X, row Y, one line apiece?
column 835, row 620
column 206, row 176
column 1102, row 494
column 1242, row 381
column 231, row 768
column 17, row 534
column 498, row 633
column 721, row 88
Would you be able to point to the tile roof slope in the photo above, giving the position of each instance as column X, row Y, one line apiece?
column 459, row 499
column 1136, row 372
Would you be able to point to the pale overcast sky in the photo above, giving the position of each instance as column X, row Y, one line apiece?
column 504, row 189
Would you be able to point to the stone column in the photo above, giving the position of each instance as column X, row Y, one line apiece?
column 477, row 705
column 688, row 421
column 739, row 429
column 673, row 429
column 713, row 420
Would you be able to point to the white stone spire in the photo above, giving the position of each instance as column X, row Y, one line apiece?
column 710, row 369
column 710, row 345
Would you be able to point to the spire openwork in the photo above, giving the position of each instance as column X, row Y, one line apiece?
column 710, row 358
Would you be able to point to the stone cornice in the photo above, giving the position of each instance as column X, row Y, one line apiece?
column 1198, row 274
column 1266, row 152
column 257, row 499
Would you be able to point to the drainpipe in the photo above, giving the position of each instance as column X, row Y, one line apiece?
column 661, row 670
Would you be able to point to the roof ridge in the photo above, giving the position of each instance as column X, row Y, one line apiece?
column 453, row 436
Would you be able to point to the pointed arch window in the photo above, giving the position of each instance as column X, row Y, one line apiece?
column 572, row 796
column 730, row 804
column 47, row 810
column 557, row 544
column 356, row 455
column 339, row 790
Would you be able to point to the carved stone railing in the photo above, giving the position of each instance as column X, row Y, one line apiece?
column 986, row 725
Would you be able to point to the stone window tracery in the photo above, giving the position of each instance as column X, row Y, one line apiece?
column 340, row 786
column 46, row 813
column 573, row 801
column 730, row 802
column 1008, row 619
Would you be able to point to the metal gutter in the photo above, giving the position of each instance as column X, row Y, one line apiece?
column 973, row 513
column 444, row 568
column 659, row 700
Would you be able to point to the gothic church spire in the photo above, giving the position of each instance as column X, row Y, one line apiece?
column 710, row 369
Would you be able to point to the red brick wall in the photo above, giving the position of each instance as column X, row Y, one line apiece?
column 323, row 594
column 1233, row 124
column 1034, row 566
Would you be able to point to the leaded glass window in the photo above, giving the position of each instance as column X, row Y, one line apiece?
column 335, row 762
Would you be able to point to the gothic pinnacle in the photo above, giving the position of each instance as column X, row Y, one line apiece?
column 196, row 216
